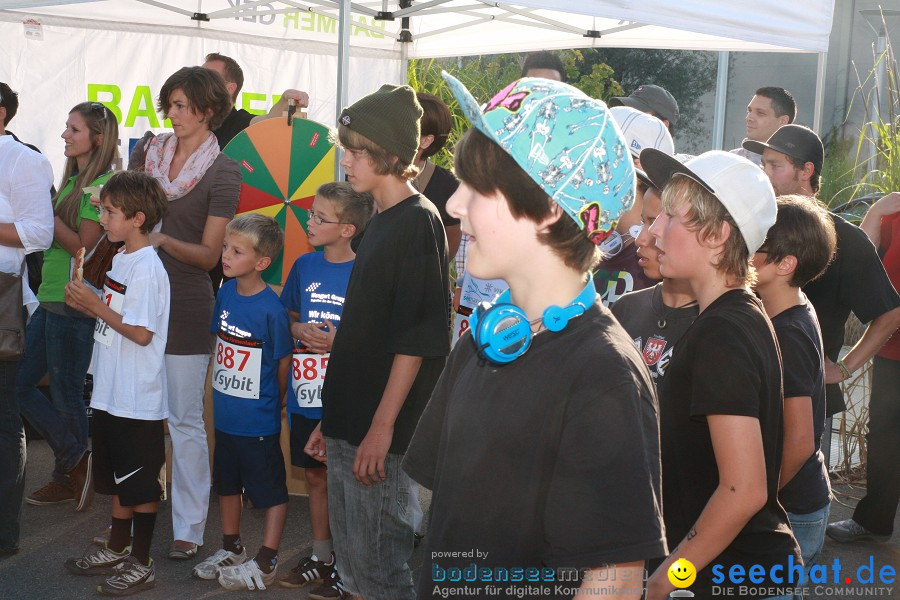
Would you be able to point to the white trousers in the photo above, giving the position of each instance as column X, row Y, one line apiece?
column 186, row 377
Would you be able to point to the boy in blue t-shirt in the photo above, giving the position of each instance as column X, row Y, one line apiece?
column 250, row 368
column 314, row 296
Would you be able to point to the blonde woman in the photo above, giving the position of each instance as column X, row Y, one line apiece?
column 59, row 339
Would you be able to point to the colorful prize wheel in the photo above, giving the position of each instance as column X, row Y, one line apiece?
column 281, row 167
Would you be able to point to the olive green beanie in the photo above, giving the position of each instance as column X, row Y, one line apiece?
column 390, row 118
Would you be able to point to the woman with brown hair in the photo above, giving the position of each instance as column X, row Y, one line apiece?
column 59, row 339
column 202, row 186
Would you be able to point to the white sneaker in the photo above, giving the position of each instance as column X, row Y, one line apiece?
column 245, row 576
column 209, row 568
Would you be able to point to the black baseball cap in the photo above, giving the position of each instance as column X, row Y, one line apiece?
column 650, row 98
column 796, row 141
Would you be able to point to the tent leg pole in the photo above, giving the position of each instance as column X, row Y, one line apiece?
column 404, row 62
column 820, row 93
column 342, row 97
column 721, row 98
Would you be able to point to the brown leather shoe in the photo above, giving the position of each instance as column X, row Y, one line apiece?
column 82, row 482
column 52, row 493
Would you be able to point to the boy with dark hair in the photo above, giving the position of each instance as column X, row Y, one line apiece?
column 797, row 250
column 658, row 316
column 314, row 296
column 544, row 177
column 129, row 397
column 436, row 183
column 251, row 362
column 389, row 350
column 544, row 64
column 720, row 402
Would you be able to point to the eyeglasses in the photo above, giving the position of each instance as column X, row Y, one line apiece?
column 101, row 108
column 320, row 221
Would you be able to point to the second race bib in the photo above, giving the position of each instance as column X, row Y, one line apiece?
column 307, row 377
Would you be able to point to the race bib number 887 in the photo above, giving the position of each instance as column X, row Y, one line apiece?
column 238, row 364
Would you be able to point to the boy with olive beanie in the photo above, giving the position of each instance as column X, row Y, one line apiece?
column 387, row 353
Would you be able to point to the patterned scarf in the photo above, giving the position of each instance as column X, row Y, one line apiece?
column 159, row 156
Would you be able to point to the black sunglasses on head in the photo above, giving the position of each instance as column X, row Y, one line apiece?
column 97, row 106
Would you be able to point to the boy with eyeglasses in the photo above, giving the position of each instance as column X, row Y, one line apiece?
column 314, row 297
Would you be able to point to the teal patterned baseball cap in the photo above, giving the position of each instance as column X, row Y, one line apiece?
column 566, row 141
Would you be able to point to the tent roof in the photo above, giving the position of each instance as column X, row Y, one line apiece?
column 461, row 27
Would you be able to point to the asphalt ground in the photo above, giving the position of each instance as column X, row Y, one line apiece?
column 50, row 534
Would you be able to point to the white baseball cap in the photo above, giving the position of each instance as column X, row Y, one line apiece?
column 642, row 130
column 741, row 186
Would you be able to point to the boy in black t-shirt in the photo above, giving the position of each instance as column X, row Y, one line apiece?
column 389, row 350
column 796, row 251
column 658, row 316
column 547, row 402
column 721, row 401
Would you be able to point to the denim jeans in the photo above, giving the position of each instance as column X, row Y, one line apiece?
column 809, row 529
column 60, row 346
column 373, row 536
column 12, row 458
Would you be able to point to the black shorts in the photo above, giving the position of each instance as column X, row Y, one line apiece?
column 128, row 457
column 250, row 465
column 301, row 428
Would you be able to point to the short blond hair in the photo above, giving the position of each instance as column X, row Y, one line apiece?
column 705, row 216
column 262, row 231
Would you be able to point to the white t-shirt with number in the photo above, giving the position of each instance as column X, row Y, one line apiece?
column 130, row 379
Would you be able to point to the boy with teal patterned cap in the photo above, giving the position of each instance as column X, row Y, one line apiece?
column 540, row 442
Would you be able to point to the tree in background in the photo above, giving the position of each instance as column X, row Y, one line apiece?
column 598, row 72
column 486, row 75
column 687, row 74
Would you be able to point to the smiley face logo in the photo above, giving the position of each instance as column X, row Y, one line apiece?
column 682, row 573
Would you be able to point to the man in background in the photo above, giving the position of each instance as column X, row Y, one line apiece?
column 769, row 109
column 654, row 100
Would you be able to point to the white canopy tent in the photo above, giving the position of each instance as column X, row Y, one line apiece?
column 60, row 52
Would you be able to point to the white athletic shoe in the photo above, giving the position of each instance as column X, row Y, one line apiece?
column 245, row 576
column 209, row 568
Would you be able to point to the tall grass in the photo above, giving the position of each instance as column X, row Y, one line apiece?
column 862, row 168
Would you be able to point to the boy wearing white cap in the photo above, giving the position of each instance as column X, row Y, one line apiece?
column 620, row 271
column 540, row 441
column 721, row 400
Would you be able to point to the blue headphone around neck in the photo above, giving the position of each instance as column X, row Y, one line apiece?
column 501, row 330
